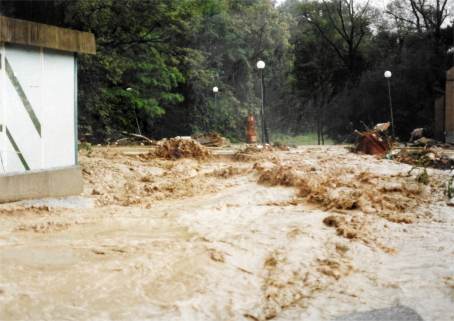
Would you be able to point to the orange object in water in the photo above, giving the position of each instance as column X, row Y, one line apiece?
column 251, row 135
column 372, row 144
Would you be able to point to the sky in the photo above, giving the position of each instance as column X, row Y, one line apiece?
column 377, row 3
column 381, row 4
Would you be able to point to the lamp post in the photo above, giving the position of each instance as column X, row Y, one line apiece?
column 388, row 76
column 135, row 114
column 215, row 91
column 215, row 94
column 265, row 138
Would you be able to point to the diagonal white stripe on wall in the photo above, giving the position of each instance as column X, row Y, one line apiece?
column 23, row 97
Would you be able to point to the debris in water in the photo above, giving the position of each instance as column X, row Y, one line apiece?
column 398, row 218
column 416, row 134
column 450, row 189
column 426, row 157
column 281, row 146
column 134, row 139
column 177, row 147
column 253, row 152
column 382, row 127
column 373, row 142
column 424, row 141
column 278, row 175
column 229, row 172
column 423, row 177
column 211, row 139
column 217, row 256
column 142, row 179
column 340, row 189
column 451, row 202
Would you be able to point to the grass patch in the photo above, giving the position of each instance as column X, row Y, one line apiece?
column 305, row 139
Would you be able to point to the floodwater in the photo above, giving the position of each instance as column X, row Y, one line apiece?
column 204, row 240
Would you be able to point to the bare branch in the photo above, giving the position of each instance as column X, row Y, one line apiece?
column 400, row 18
column 326, row 38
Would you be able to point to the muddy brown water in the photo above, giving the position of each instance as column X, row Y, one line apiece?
column 191, row 242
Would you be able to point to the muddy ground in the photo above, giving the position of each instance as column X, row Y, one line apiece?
column 307, row 234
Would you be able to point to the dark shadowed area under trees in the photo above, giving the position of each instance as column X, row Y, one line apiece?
column 158, row 61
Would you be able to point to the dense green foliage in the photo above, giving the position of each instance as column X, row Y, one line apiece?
column 157, row 62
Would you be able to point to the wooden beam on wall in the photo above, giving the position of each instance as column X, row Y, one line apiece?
column 41, row 35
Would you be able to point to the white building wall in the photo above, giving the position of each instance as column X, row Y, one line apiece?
column 37, row 108
column 25, row 64
column 3, row 141
column 59, row 109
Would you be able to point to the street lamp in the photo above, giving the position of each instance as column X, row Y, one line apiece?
column 261, row 66
column 388, row 76
column 215, row 91
column 135, row 114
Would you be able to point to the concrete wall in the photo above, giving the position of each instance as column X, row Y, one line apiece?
column 449, row 113
column 40, row 184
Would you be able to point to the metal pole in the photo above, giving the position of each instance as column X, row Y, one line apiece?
column 262, row 110
column 215, row 108
column 265, row 138
column 391, row 108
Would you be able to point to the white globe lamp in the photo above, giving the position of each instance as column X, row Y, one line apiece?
column 260, row 64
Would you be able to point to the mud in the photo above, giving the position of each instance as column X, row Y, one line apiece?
column 212, row 139
column 175, row 148
column 141, row 180
column 310, row 233
column 254, row 152
column 347, row 188
column 359, row 195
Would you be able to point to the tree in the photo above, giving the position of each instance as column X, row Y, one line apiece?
column 330, row 42
column 422, row 15
column 142, row 54
column 344, row 26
